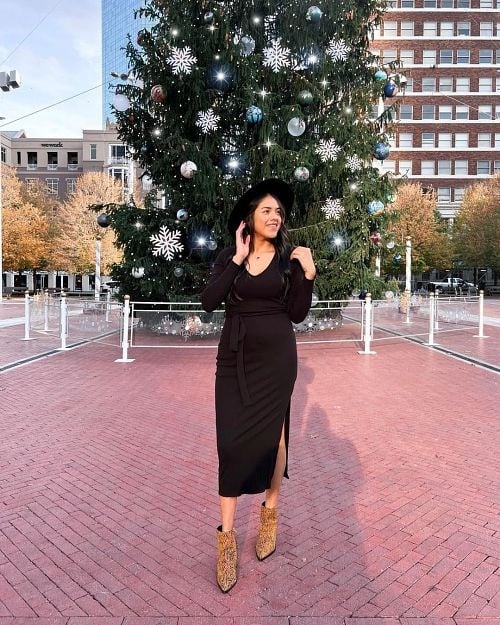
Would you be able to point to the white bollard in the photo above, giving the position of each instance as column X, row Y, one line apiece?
column 64, row 321
column 368, row 334
column 27, row 316
column 46, row 311
column 126, row 315
column 436, row 310
column 108, row 305
column 432, row 313
column 481, row 334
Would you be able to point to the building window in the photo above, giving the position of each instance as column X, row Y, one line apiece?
column 19, row 158
column 406, row 57
column 497, row 56
column 447, row 4
column 93, row 151
column 30, row 183
column 70, row 185
column 72, row 160
column 390, row 29
column 462, row 84
column 428, row 111
column 447, row 29
column 486, row 56
column 444, row 140
column 428, row 84
column 52, row 161
column 444, row 168
column 407, row 4
column 461, row 168
column 484, row 111
column 428, row 140
column 446, row 56
column 32, row 160
column 409, row 85
column 484, row 140
column 497, row 112
column 462, row 111
column 462, row 140
column 444, row 194
column 388, row 56
column 430, row 29
column 389, row 166
column 463, row 4
column 117, row 154
column 497, row 139
column 463, row 29
column 428, row 168
column 53, row 185
column 405, row 140
column 458, row 194
column 496, row 167
column 429, row 57
column 485, row 84
column 483, row 168
column 405, row 168
column 445, row 111
column 406, row 111
column 486, row 4
column 430, row 4
column 407, row 29
column 463, row 56
column 3, row 155
column 486, row 29
column 445, row 84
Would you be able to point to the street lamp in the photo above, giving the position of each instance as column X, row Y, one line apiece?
column 8, row 80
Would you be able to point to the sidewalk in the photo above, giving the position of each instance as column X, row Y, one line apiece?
column 108, row 503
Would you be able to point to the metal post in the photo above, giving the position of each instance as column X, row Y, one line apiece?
column 97, row 285
column 64, row 321
column 368, row 324
column 436, row 309
column 378, row 263
column 126, row 314
column 432, row 312
column 408, row 264
column 46, row 311
column 108, row 305
column 481, row 333
column 408, row 305
column 27, row 316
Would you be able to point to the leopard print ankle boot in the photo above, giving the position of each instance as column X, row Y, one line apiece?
column 227, row 559
column 266, row 540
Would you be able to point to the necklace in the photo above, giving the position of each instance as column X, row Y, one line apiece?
column 270, row 252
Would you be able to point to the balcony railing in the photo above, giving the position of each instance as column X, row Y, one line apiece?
column 32, row 166
column 52, row 166
column 72, row 166
column 118, row 160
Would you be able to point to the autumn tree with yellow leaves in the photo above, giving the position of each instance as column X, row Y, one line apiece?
column 78, row 224
column 415, row 215
column 477, row 226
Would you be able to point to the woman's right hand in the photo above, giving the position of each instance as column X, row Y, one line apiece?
column 242, row 245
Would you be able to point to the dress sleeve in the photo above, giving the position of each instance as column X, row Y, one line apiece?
column 300, row 294
column 221, row 280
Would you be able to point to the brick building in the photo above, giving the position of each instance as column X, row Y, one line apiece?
column 448, row 131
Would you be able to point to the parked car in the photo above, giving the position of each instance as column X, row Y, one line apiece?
column 452, row 286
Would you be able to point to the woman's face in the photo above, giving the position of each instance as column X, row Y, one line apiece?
column 267, row 218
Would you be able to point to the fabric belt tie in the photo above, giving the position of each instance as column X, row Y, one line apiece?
column 236, row 337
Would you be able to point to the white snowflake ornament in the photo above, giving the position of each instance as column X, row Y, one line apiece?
column 166, row 243
column 276, row 57
column 181, row 60
column 338, row 50
column 207, row 121
column 332, row 208
column 354, row 163
column 327, row 149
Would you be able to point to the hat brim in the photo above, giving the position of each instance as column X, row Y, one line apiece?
column 272, row 186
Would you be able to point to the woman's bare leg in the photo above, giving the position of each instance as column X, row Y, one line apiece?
column 272, row 493
column 227, row 511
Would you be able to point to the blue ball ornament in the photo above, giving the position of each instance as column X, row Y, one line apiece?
column 380, row 75
column 375, row 207
column 381, row 150
column 182, row 214
column 314, row 14
column 397, row 259
column 390, row 89
column 254, row 115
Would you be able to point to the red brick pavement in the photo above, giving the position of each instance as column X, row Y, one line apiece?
column 108, row 502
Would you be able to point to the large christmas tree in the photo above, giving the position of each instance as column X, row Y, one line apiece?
column 224, row 94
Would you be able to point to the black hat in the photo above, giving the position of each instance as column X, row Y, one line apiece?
column 272, row 186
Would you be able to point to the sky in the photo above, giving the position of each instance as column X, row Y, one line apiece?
column 60, row 59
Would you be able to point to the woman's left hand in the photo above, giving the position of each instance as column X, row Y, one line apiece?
column 304, row 256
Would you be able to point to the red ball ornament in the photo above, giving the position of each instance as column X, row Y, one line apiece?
column 141, row 37
column 158, row 94
column 376, row 238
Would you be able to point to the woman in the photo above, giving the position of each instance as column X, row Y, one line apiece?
column 266, row 285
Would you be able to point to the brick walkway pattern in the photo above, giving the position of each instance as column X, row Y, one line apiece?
column 108, row 502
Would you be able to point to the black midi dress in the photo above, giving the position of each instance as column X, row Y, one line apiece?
column 256, row 368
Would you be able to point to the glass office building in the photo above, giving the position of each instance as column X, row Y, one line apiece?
column 117, row 22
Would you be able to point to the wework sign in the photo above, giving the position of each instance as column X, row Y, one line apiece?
column 52, row 145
